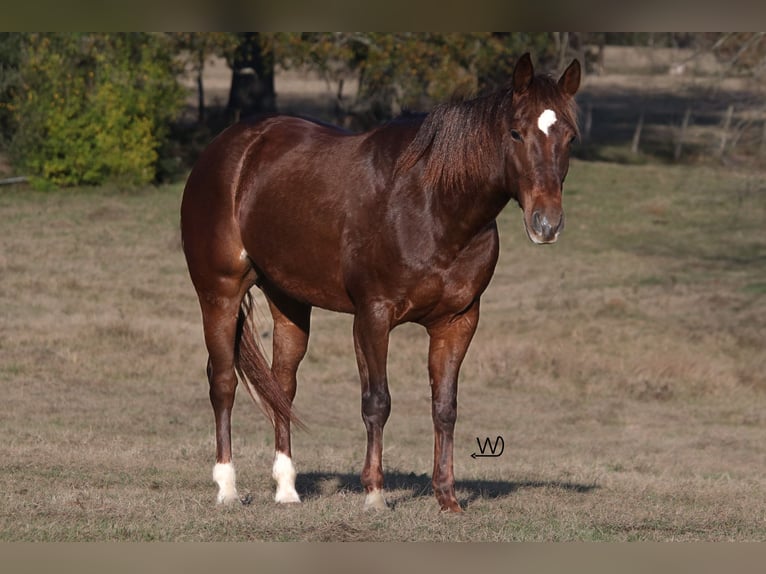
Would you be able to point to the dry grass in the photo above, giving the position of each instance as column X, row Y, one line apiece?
column 623, row 367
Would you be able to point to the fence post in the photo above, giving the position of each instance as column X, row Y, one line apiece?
column 637, row 133
column 725, row 131
column 682, row 134
column 588, row 123
column 763, row 140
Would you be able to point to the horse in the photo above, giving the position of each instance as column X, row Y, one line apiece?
column 396, row 224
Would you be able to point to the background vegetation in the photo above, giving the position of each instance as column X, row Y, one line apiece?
column 89, row 108
column 94, row 107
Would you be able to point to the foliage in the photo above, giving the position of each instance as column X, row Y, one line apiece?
column 85, row 108
column 744, row 52
column 94, row 107
column 10, row 56
column 196, row 47
column 409, row 70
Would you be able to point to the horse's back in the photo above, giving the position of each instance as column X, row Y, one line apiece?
column 254, row 160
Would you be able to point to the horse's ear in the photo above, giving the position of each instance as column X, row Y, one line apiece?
column 523, row 73
column 569, row 81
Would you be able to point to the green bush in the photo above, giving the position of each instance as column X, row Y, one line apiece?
column 94, row 107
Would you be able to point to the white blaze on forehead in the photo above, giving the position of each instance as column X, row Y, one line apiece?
column 546, row 120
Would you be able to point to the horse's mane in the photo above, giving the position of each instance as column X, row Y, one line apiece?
column 462, row 141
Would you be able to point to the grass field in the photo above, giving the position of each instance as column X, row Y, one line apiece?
column 624, row 368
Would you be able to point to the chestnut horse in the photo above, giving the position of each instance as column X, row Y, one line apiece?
column 396, row 224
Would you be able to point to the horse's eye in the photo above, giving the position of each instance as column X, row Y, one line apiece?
column 516, row 136
column 572, row 140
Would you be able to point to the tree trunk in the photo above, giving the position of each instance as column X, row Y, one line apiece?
column 252, row 80
column 600, row 61
column 562, row 44
column 200, row 87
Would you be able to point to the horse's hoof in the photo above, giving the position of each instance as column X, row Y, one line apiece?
column 451, row 507
column 228, row 499
column 375, row 501
column 287, row 496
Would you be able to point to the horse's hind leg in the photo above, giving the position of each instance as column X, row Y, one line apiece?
column 221, row 277
column 291, row 334
column 219, row 316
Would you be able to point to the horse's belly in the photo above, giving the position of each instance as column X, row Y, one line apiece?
column 299, row 258
column 305, row 281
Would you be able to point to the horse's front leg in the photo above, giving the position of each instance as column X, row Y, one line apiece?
column 372, row 327
column 449, row 342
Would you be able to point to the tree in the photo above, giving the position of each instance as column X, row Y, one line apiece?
column 744, row 52
column 195, row 48
column 252, row 81
column 408, row 70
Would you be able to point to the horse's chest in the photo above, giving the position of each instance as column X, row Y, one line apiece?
column 449, row 287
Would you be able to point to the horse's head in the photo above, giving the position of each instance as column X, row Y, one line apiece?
column 539, row 132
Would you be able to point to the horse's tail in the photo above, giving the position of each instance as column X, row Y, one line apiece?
column 254, row 370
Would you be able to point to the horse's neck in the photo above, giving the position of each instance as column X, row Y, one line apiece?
column 463, row 215
column 456, row 160
column 471, row 189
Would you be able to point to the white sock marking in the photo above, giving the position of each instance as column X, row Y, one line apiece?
column 225, row 477
column 546, row 120
column 284, row 473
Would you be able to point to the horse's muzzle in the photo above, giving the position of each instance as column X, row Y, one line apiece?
column 544, row 226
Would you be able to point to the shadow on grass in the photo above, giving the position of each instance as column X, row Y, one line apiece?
column 312, row 484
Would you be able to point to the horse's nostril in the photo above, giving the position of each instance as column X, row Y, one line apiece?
column 560, row 224
column 546, row 228
column 541, row 224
